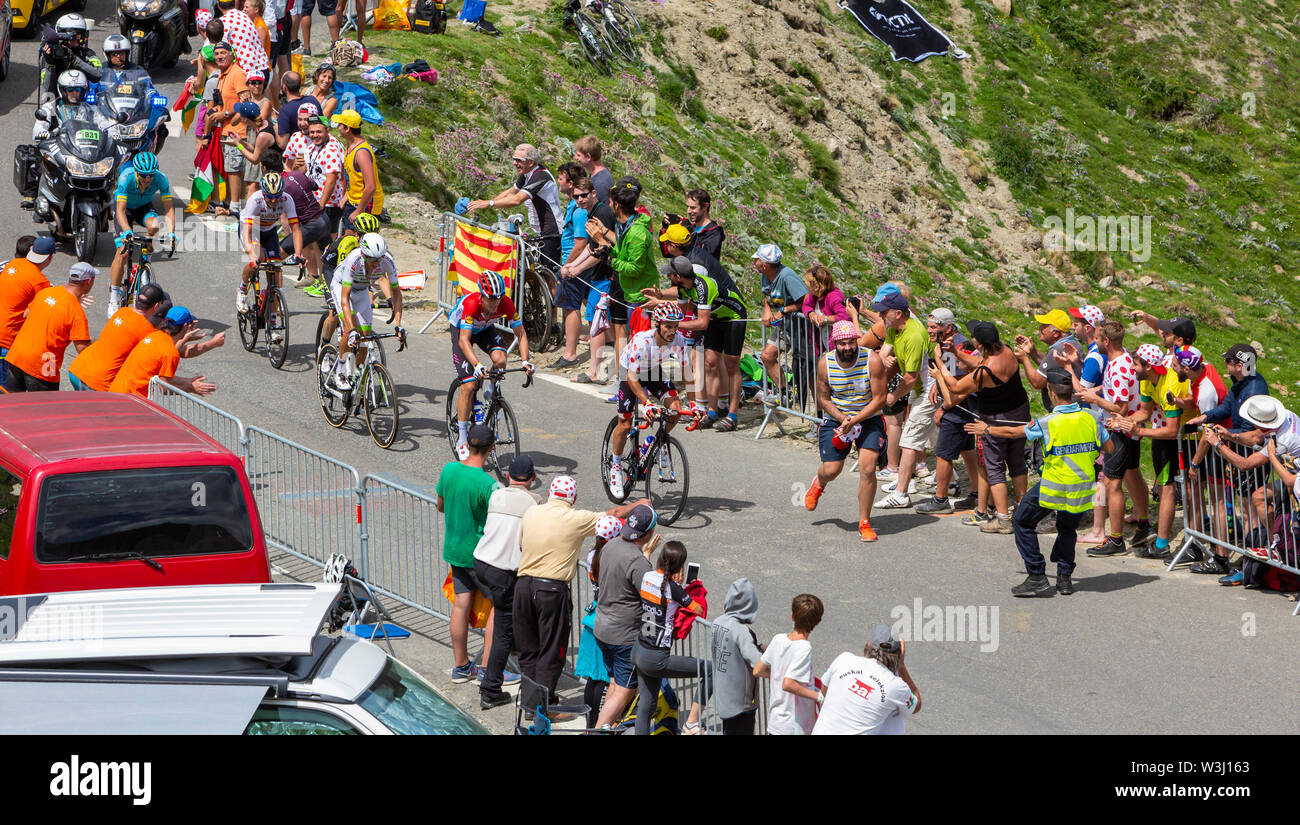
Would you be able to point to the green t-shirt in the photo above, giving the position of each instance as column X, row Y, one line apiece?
column 910, row 348
column 708, row 295
column 465, row 492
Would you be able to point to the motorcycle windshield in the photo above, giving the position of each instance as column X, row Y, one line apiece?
column 131, row 97
column 83, row 139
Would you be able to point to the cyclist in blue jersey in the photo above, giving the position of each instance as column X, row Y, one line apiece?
column 136, row 188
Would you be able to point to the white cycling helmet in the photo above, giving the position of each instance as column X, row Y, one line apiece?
column 70, row 23
column 116, row 43
column 73, row 79
column 372, row 245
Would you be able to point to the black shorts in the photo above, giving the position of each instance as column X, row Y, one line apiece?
column 20, row 381
column 334, row 214
column 953, row 439
column 1164, row 460
column 139, row 214
column 306, row 7
column 463, row 580
column 656, row 389
column 316, row 230
column 1124, row 456
column 618, row 310
column 726, row 337
column 269, row 239
column 871, row 438
column 492, row 338
column 571, row 293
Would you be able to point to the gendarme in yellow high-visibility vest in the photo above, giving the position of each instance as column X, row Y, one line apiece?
column 1069, row 463
column 357, row 184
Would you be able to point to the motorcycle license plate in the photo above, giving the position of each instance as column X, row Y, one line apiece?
column 137, row 33
column 91, row 135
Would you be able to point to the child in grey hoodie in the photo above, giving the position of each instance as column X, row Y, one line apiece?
column 735, row 653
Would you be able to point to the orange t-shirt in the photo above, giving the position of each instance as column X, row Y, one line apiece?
column 264, row 33
column 157, row 355
column 233, row 83
column 20, row 280
column 54, row 318
column 97, row 365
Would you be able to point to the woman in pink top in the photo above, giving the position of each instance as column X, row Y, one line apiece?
column 823, row 305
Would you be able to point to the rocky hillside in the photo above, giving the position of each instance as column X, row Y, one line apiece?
column 951, row 174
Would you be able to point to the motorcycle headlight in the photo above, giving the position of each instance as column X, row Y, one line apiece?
column 128, row 131
column 144, row 8
column 89, row 170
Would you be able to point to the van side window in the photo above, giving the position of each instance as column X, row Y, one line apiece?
column 11, row 491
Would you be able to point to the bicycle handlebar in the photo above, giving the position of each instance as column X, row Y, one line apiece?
column 375, row 336
column 497, row 373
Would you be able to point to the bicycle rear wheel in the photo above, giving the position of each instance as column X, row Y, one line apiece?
column 277, row 327
column 536, row 311
column 620, row 37
column 629, row 462
column 594, row 44
column 667, row 484
column 380, row 399
column 625, row 17
column 249, row 323
column 501, row 419
column 336, row 411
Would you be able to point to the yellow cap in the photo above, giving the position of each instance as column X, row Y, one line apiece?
column 676, row 234
column 1057, row 318
column 348, row 118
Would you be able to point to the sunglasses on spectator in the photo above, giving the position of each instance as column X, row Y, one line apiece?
column 519, row 160
column 581, row 194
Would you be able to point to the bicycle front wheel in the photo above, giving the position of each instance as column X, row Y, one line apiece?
column 667, row 480
column 597, row 48
column 625, row 17
column 629, row 462
column 335, row 409
column 277, row 327
column 248, row 324
column 380, row 398
column 321, row 339
column 537, row 311
column 505, row 426
column 146, row 276
column 452, row 419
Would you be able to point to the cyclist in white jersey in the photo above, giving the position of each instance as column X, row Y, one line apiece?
column 350, row 287
column 267, row 207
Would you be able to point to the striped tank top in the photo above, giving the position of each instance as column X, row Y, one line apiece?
column 850, row 386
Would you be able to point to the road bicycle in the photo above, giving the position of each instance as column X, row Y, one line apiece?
column 331, row 310
column 592, row 37
column 370, row 390
column 267, row 310
column 139, row 273
column 619, row 25
column 495, row 412
column 659, row 462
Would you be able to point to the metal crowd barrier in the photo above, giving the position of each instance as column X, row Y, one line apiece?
column 220, row 425
column 308, row 501
column 798, row 343
column 1218, row 511
column 403, row 545
column 447, row 290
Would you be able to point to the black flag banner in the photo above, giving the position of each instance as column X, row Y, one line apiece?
column 902, row 28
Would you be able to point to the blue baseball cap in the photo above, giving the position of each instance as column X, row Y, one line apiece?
column 42, row 249
column 892, row 300
column 247, row 109
column 885, row 289
column 180, row 316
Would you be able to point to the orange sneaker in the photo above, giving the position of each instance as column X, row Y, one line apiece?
column 865, row 531
column 814, row 492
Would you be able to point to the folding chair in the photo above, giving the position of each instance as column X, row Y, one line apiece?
column 544, row 711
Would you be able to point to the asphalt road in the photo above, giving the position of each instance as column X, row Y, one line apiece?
column 1135, row 650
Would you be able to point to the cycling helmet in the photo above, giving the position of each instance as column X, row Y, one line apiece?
column 272, row 185
column 491, row 285
column 372, row 245
column 73, row 79
column 145, row 163
column 668, row 313
column 116, row 43
column 365, row 224
column 72, row 24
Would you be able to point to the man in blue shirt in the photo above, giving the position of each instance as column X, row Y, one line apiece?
column 571, row 293
column 783, row 294
column 136, row 188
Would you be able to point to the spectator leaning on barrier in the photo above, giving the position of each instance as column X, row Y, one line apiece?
column 783, row 294
column 788, row 662
column 535, row 188
column 550, row 539
column 20, row 279
column 850, row 394
column 869, row 694
column 1118, row 396
column 1072, row 438
column 823, row 305
column 735, row 654
column 496, row 562
column 662, row 595
column 464, row 490
column 55, row 318
column 158, row 354
column 97, row 365
column 1207, row 390
column 588, row 151
column 953, row 442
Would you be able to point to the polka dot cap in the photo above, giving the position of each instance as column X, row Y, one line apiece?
column 607, row 527
column 1151, row 354
column 564, row 487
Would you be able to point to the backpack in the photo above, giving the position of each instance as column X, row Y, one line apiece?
column 665, row 719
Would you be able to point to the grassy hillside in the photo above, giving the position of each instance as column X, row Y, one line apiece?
column 945, row 173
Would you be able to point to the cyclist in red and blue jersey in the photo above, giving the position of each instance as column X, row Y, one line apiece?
column 472, row 322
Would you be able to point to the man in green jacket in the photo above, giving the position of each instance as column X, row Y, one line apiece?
column 631, row 249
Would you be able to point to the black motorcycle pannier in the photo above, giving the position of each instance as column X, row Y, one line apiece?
column 27, row 169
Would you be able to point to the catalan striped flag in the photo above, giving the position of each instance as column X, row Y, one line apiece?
column 476, row 250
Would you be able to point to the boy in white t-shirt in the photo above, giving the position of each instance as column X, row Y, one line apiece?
column 868, row 694
column 788, row 662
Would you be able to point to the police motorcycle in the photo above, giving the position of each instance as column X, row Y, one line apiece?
column 127, row 98
column 156, row 30
column 70, row 174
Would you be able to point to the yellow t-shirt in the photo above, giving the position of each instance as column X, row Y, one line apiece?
column 1167, row 383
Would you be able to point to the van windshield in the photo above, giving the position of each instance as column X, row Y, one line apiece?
column 157, row 512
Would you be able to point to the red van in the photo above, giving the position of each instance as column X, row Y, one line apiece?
column 103, row 490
